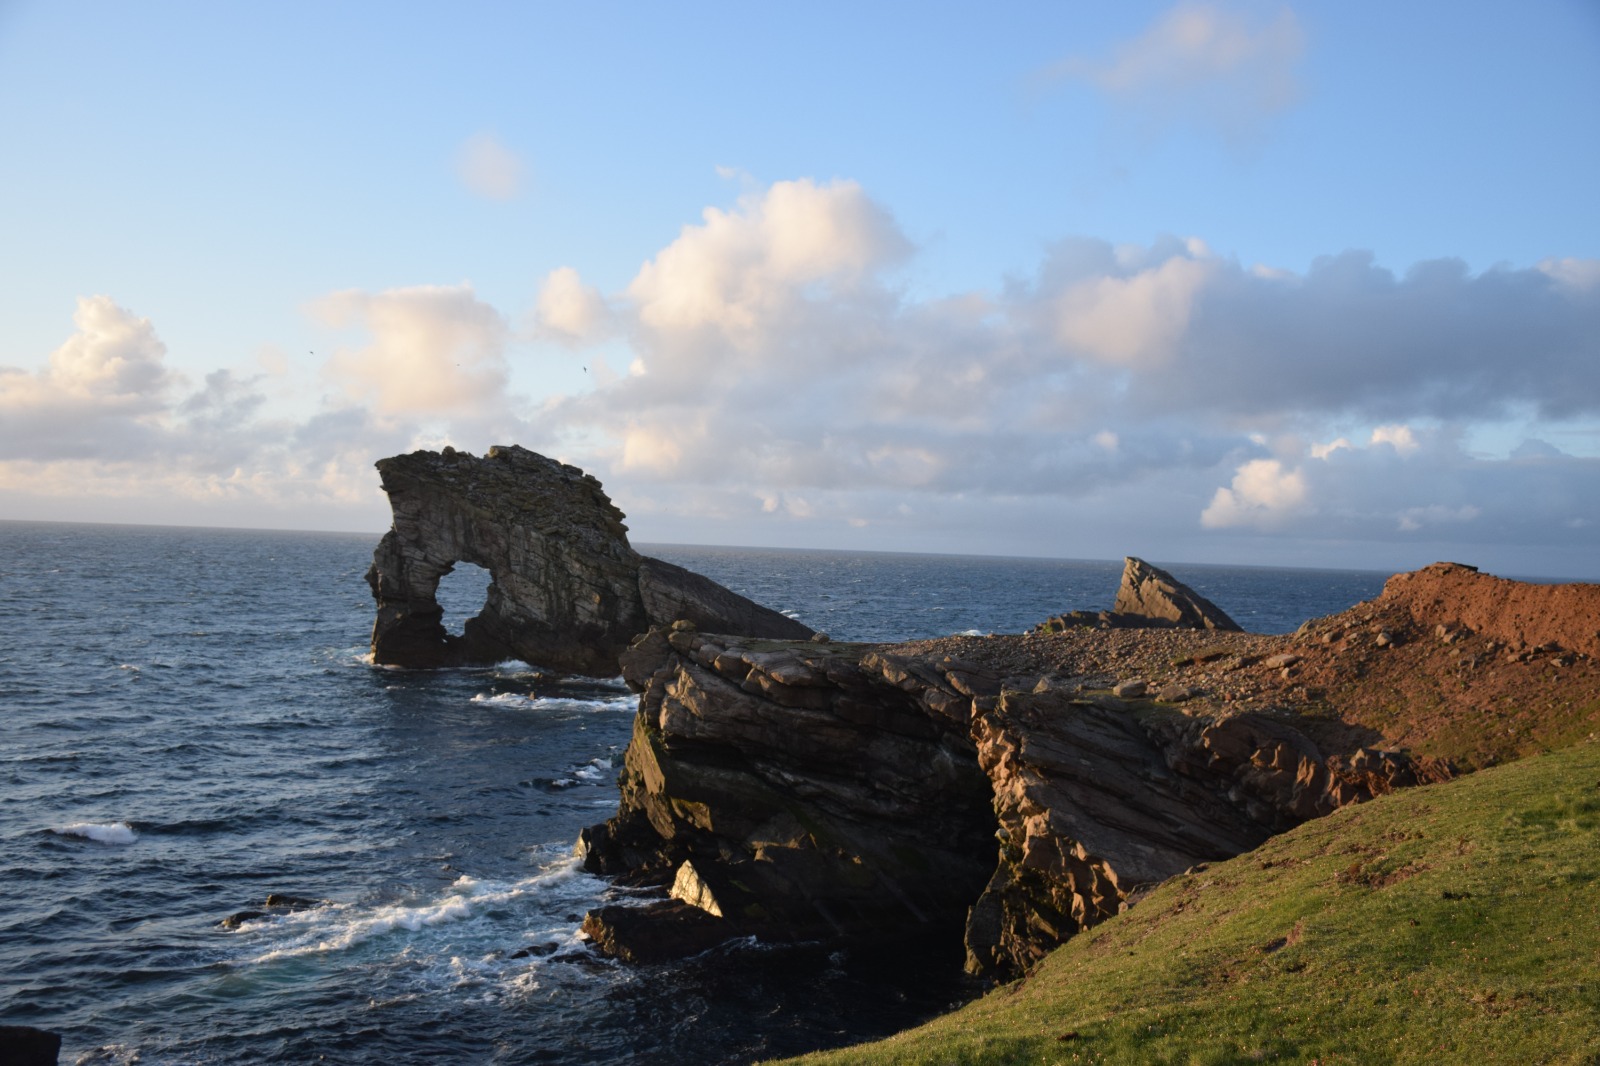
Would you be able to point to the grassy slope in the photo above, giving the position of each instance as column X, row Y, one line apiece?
column 1458, row 922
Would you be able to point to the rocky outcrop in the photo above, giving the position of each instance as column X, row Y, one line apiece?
column 1149, row 597
column 567, row 592
column 799, row 790
column 1562, row 617
column 790, row 790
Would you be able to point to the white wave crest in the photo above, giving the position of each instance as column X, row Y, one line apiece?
column 340, row 927
column 519, row 702
column 99, row 832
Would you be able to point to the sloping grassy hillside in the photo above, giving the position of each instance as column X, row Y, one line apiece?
column 1453, row 923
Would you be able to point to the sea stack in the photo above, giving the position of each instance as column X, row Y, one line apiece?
column 567, row 592
column 1150, row 592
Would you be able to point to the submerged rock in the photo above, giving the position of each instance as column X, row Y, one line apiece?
column 567, row 592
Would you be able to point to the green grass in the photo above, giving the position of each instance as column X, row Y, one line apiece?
column 1454, row 923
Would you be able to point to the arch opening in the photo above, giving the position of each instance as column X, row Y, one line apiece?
column 463, row 592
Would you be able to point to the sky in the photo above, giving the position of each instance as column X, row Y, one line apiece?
column 1309, row 284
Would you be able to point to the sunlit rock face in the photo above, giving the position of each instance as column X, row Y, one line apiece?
column 567, row 592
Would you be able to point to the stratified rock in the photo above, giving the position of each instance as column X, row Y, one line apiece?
column 1150, row 592
column 1089, row 813
column 1147, row 597
column 793, row 790
column 789, row 790
column 23, row 1045
column 567, row 592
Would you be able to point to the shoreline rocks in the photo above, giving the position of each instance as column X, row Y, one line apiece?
column 794, row 790
column 1001, row 786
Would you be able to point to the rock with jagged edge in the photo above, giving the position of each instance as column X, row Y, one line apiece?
column 567, row 592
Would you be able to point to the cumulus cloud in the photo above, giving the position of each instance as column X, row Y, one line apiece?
column 105, row 424
column 783, row 379
column 1199, row 63
column 741, row 274
column 1264, row 494
column 1408, row 483
column 488, row 168
column 570, row 311
column 435, row 350
column 104, row 387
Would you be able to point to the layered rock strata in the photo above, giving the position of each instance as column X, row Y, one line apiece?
column 793, row 790
column 1149, row 597
column 798, row 790
column 567, row 592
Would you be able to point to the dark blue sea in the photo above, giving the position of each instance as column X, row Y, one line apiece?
column 189, row 722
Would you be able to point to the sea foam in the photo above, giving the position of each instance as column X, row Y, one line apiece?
column 99, row 832
column 340, row 927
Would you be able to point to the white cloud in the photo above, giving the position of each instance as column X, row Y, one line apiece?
column 1200, row 63
column 1582, row 275
column 105, row 387
column 740, row 272
column 570, row 311
column 778, row 374
column 436, row 349
column 488, row 168
column 1400, row 438
column 1136, row 319
column 1264, row 494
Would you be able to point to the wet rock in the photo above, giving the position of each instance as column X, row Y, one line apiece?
column 23, row 1045
column 276, row 904
column 656, row 932
column 567, row 592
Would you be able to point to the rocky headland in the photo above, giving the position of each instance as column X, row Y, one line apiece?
column 1024, row 787
column 1004, row 791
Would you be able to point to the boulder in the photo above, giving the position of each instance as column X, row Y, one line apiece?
column 791, row 791
column 567, row 592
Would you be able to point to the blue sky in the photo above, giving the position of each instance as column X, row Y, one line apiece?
column 1308, row 284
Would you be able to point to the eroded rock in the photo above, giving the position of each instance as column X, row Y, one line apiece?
column 786, row 789
column 1148, row 597
column 567, row 592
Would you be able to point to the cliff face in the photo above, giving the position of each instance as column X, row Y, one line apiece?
column 784, row 790
column 567, row 591
column 791, row 790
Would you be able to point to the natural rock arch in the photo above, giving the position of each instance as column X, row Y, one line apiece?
column 567, row 592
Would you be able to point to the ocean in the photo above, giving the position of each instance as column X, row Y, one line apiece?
column 189, row 722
